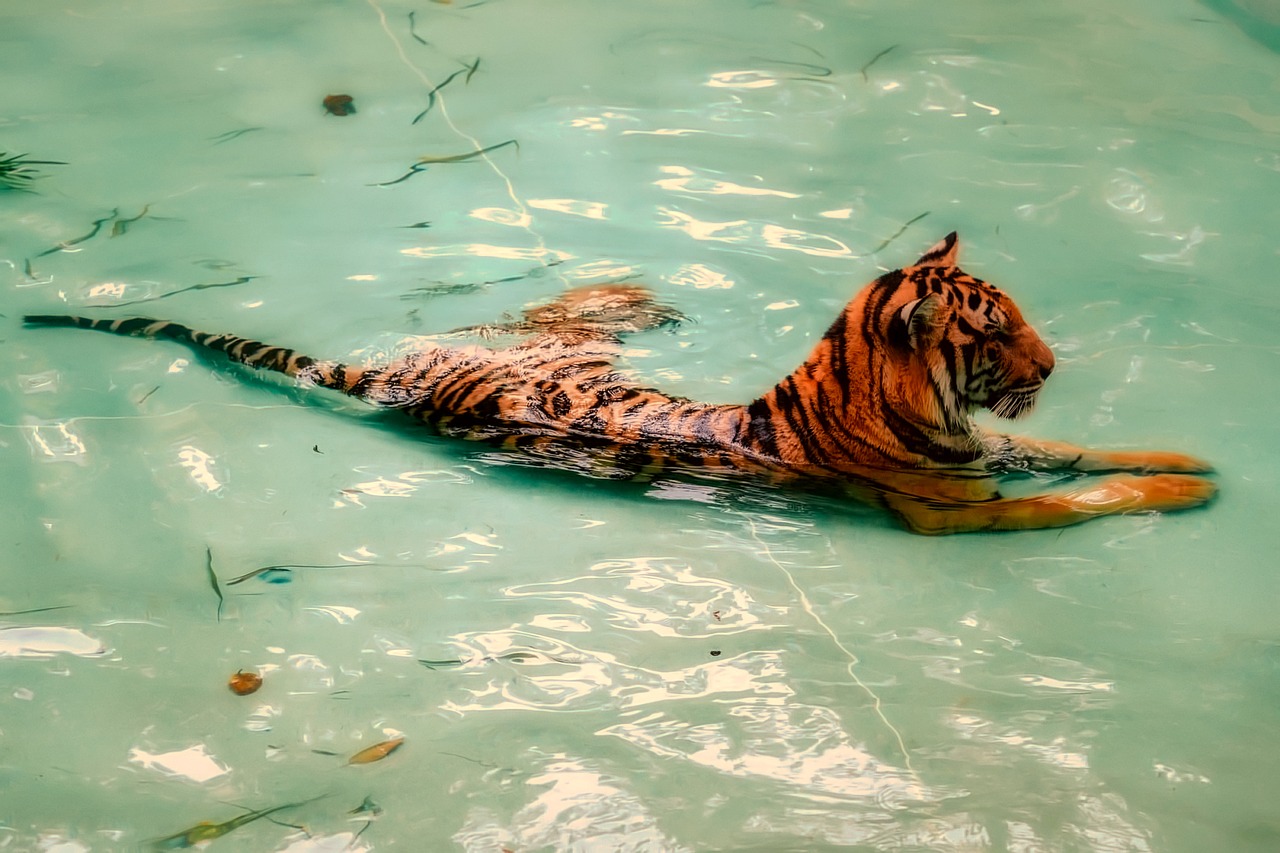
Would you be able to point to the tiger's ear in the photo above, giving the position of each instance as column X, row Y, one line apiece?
column 943, row 254
column 918, row 324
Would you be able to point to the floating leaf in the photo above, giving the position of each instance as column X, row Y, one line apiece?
column 377, row 752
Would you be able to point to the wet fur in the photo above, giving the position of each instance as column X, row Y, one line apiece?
column 882, row 408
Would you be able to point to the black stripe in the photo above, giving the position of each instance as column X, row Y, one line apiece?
column 969, row 353
column 831, row 419
column 882, row 291
column 837, row 338
column 797, row 417
column 906, row 432
column 949, row 354
column 134, row 325
column 945, row 246
column 463, row 382
column 760, row 432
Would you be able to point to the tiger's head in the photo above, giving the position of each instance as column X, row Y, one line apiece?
column 963, row 338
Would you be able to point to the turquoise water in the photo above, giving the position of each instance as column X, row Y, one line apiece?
column 638, row 668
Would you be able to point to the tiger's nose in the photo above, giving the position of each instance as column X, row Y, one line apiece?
column 1044, row 361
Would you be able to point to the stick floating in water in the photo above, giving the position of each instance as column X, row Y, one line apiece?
column 431, row 160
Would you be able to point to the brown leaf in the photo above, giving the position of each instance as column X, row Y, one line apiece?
column 377, row 752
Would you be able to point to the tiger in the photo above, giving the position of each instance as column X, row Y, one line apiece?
column 881, row 410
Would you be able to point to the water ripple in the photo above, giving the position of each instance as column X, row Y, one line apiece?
column 686, row 604
column 802, row 746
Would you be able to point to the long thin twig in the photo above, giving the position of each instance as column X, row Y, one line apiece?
column 213, row 579
column 412, row 23
column 431, row 96
column 97, row 226
column 898, row 233
column 244, row 279
column 429, row 160
column 232, row 134
column 863, row 70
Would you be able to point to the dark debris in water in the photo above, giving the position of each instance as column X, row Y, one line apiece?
column 213, row 580
column 339, row 105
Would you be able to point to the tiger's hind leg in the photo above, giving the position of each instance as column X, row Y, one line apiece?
column 596, row 311
column 613, row 309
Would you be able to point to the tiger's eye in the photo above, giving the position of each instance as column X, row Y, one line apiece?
column 243, row 683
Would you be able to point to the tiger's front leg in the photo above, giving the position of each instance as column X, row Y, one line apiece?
column 1115, row 495
column 1011, row 452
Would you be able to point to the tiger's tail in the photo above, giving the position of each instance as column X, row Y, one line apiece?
column 326, row 374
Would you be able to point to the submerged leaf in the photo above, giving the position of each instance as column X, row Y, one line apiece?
column 377, row 752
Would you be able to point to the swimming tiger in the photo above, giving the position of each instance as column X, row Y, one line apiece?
column 882, row 408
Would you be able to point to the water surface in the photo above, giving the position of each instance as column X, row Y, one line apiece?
column 635, row 668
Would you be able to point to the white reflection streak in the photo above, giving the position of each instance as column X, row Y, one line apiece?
column 1169, row 774
column 503, row 216
column 700, row 230
column 44, row 382
column 1105, row 830
column 194, row 763
column 402, row 485
column 55, row 441
column 604, row 268
column 1073, row 686
column 813, row 752
column 200, row 466
column 555, row 675
column 740, row 230
column 663, row 131
column 778, row 237
column 978, row 729
column 687, row 181
column 700, row 277
column 723, row 677
column 746, row 79
column 114, row 289
column 1183, row 256
column 571, row 206
column 580, row 810
column 339, row 842
column 45, row 641
column 341, row 614
column 690, row 602
column 541, row 254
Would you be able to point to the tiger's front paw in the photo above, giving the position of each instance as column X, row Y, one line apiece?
column 1151, row 462
column 1157, row 492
